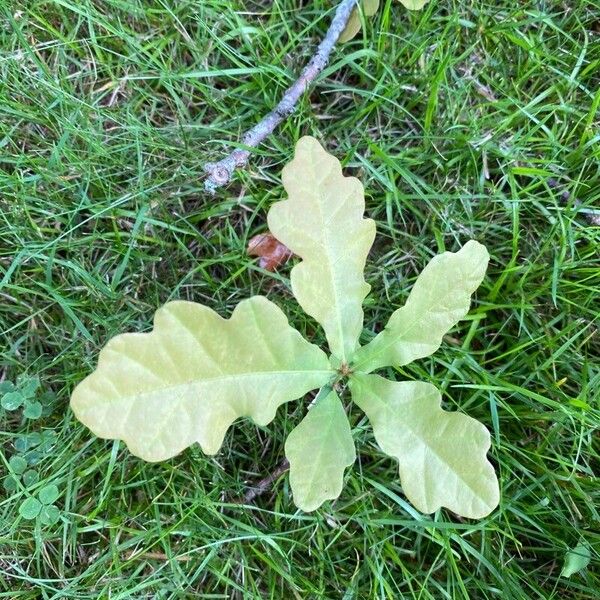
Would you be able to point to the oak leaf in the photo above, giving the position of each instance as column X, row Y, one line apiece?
column 190, row 378
column 319, row 449
column 369, row 8
column 322, row 222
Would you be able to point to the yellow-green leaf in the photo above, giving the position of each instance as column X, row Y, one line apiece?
column 369, row 8
column 319, row 450
column 191, row 377
column 322, row 222
column 414, row 4
column 442, row 455
column 440, row 298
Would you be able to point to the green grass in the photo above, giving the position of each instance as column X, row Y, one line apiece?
column 470, row 120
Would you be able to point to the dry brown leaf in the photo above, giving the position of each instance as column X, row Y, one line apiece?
column 271, row 251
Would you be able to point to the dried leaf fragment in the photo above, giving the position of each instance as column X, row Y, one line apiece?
column 271, row 251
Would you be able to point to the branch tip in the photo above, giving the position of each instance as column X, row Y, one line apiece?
column 220, row 173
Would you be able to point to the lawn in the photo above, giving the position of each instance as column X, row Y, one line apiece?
column 469, row 120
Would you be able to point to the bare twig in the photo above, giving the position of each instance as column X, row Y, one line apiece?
column 220, row 173
column 264, row 484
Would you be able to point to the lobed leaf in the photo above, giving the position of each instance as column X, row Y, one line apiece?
column 442, row 455
column 440, row 298
column 319, row 449
column 322, row 222
column 191, row 377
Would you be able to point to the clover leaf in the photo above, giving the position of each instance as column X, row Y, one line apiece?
column 42, row 507
column 48, row 494
column 12, row 400
column 30, row 508
column 190, row 378
column 13, row 397
column 18, row 466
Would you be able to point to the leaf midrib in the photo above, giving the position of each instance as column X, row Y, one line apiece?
column 400, row 338
column 330, row 262
column 226, row 377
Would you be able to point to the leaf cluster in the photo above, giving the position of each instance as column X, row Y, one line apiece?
column 25, row 394
column 30, row 450
column 190, row 378
column 41, row 506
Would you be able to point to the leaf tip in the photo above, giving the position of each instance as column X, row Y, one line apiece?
column 414, row 4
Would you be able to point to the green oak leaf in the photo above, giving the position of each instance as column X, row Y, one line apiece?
column 442, row 455
column 369, row 8
column 440, row 298
column 190, row 378
column 322, row 222
column 319, row 450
